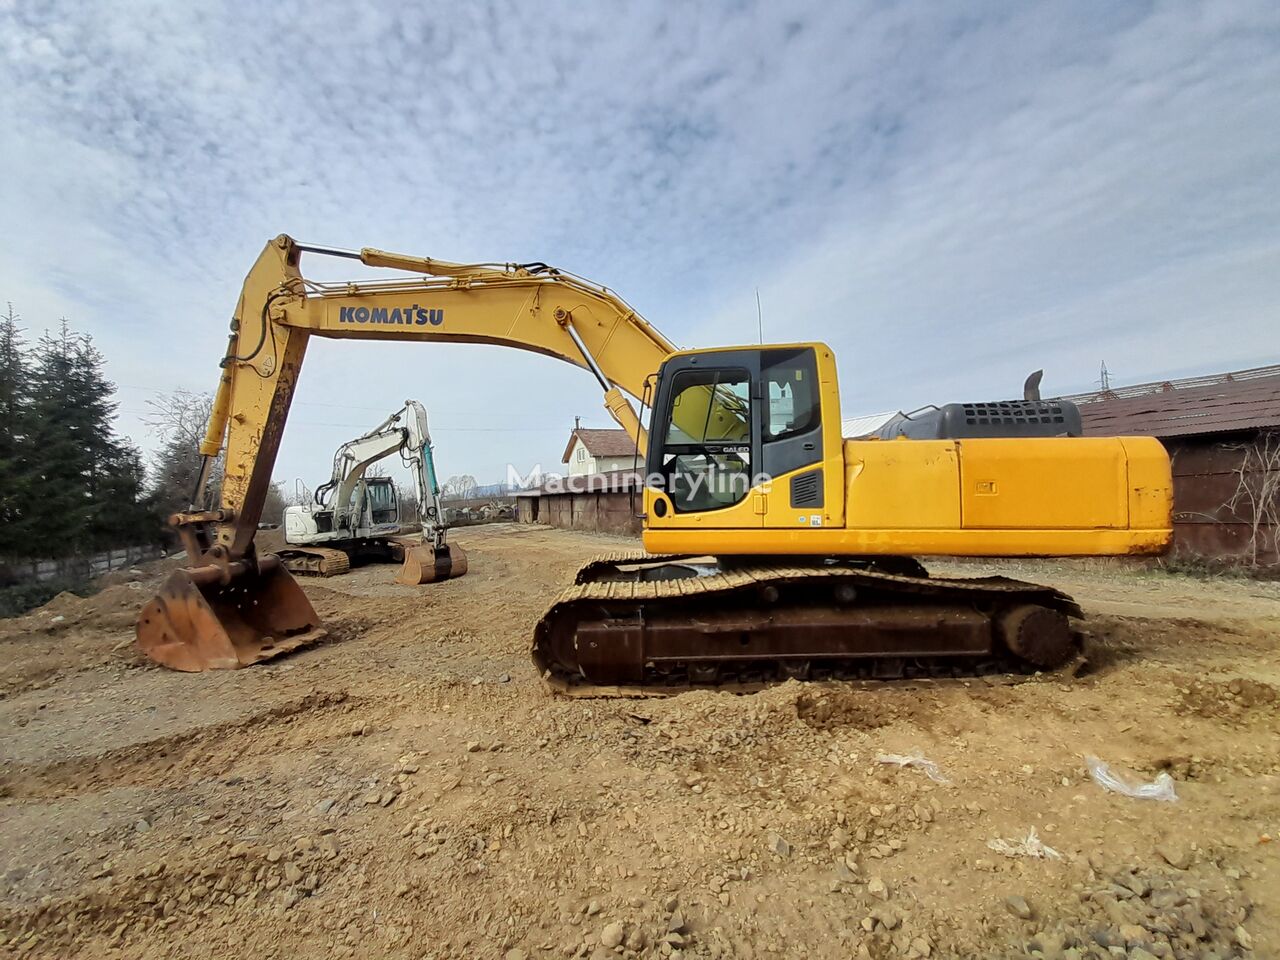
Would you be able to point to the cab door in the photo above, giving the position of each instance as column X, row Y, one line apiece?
column 704, row 446
column 793, row 444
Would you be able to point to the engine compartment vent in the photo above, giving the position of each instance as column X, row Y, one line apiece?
column 999, row 418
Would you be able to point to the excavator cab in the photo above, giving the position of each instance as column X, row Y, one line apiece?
column 745, row 438
column 381, row 500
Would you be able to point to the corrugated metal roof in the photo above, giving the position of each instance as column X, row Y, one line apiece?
column 851, row 428
column 1164, row 386
column 1224, row 403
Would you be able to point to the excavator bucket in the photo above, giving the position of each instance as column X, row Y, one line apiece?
column 426, row 564
column 197, row 622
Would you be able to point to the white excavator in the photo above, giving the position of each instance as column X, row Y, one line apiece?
column 356, row 517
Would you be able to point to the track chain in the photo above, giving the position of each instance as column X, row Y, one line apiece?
column 315, row 561
column 590, row 594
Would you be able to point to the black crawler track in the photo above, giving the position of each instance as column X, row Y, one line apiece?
column 315, row 561
column 637, row 625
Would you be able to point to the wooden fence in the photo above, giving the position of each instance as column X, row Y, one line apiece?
column 1226, row 497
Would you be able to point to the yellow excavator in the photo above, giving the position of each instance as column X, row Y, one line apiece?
column 774, row 546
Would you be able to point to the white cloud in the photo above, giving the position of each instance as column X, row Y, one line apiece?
column 950, row 200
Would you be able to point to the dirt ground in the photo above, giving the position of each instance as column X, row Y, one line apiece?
column 410, row 789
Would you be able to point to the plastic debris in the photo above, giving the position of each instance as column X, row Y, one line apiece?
column 1128, row 783
column 1029, row 846
column 914, row 760
column 779, row 845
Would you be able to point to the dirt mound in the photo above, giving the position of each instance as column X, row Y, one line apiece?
column 829, row 706
column 1237, row 699
column 61, row 605
column 111, row 609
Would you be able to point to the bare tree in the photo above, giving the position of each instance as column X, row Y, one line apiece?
column 1257, row 496
column 407, row 494
column 459, row 487
column 179, row 419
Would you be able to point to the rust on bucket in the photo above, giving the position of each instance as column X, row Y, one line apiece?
column 208, row 618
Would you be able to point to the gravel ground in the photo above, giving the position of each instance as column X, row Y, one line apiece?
column 410, row 789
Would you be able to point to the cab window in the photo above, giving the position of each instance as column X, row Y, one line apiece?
column 710, row 406
column 791, row 386
column 382, row 502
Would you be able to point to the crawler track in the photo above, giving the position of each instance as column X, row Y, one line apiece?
column 315, row 561
column 641, row 625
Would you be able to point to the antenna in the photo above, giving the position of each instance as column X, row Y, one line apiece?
column 759, row 316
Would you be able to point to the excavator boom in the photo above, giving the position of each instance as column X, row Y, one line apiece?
column 530, row 307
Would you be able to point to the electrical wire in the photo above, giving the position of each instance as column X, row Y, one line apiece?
column 232, row 357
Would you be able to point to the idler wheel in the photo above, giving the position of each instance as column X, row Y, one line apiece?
column 1038, row 635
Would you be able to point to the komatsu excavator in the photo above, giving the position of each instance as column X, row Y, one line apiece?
column 775, row 547
column 355, row 516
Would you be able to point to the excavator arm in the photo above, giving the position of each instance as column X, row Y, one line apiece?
column 405, row 432
column 228, row 608
column 433, row 559
column 353, row 459
column 418, row 455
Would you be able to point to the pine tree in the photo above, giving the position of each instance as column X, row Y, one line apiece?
column 123, row 515
column 14, row 391
column 86, row 485
column 59, row 505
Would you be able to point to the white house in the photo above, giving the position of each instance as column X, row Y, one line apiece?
column 599, row 451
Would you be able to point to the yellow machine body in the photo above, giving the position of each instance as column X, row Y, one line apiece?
column 991, row 497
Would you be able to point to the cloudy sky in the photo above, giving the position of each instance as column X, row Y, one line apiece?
column 950, row 199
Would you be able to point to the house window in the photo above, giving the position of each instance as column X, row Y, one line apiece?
column 582, row 454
